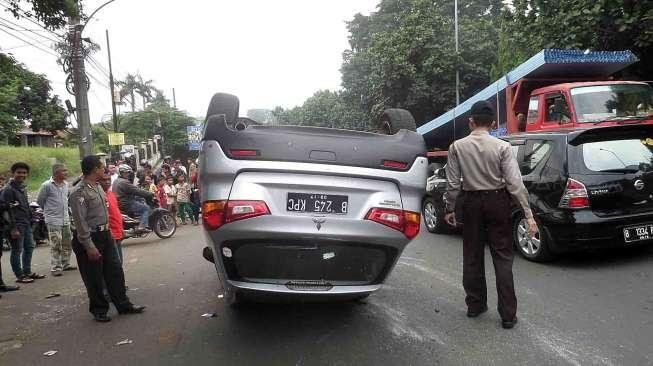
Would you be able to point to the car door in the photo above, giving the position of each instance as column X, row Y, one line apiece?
column 540, row 174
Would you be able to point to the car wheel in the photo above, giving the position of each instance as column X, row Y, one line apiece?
column 537, row 248
column 226, row 104
column 433, row 216
column 396, row 119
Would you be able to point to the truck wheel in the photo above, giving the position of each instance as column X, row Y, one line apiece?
column 536, row 249
column 396, row 119
column 227, row 104
column 433, row 216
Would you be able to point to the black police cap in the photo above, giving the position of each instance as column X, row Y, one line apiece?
column 482, row 108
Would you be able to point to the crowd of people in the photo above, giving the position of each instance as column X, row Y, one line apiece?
column 85, row 217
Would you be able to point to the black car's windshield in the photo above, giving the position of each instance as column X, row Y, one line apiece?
column 612, row 102
column 619, row 156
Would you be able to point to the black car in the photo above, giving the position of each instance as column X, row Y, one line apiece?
column 588, row 188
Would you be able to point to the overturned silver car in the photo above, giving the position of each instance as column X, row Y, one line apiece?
column 319, row 212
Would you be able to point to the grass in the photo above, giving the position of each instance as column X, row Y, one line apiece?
column 40, row 160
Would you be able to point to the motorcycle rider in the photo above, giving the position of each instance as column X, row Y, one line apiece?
column 130, row 197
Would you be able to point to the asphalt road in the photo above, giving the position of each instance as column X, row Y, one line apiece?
column 589, row 309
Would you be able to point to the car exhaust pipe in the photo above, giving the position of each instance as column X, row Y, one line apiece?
column 207, row 253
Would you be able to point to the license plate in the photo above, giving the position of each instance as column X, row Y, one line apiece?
column 318, row 203
column 638, row 233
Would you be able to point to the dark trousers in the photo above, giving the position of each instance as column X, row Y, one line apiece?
column 107, row 270
column 487, row 218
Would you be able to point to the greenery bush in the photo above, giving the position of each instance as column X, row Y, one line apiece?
column 40, row 161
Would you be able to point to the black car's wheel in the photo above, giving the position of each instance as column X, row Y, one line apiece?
column 396, row 119
column 164, row 225
column 433, row 216
column 537, row 248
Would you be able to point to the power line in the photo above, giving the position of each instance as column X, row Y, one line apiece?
column 26, row 16
column 27, row 36
column 29, row 43
column 25, row 29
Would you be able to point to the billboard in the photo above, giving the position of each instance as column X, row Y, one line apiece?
column 194, row 137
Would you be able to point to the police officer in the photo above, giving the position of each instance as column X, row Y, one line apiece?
column 484, row 168
column 94, row 247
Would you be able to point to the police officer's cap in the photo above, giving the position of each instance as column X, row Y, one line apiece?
column 482, row 108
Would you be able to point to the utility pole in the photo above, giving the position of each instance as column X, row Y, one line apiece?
column 174, row 98
column 80, row 87
column 457, row 66
column 111, row 85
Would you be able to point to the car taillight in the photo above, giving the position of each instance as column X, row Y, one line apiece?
column 405, row 221
column 575, row 195
column 399, row 165
column 241, row 153
column 215, row 214
column 240, row 210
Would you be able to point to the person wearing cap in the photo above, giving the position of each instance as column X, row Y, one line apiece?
column 94, row 247
column 130, row 197
column 484, row 168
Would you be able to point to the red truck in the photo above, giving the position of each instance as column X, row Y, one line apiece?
column 541, row 104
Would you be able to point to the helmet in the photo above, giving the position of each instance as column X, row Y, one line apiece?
column 124, row 168
column 143, row 162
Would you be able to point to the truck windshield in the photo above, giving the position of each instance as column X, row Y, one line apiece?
column 612, row 102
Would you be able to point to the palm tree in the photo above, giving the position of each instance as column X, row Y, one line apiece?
column 129, row 86
column 145, row 89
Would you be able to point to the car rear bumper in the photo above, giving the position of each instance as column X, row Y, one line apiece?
column 289, row 255
column 584, row 230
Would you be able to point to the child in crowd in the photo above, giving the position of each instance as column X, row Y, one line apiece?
column 161, row 193
column 171, row 196
column 183, row 200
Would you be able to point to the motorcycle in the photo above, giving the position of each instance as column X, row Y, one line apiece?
column 161, row 221
column 39, row 228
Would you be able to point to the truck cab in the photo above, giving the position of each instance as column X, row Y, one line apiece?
column 586, row 104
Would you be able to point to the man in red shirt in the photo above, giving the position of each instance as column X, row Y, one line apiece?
column 115, row 217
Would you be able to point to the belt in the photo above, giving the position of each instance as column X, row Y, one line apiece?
column 487, row 192
column 100, row 228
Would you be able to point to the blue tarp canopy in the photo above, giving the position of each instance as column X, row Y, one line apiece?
column 549, row 63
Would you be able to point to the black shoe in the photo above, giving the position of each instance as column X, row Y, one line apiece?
column 134, row 309
column 102, row 318
column 7, row 288
column 70, row 268
column 474, row 314
column 509, row 324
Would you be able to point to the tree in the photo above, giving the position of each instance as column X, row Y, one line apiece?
column 129, row 87
column 145, row 89
column 324, row 109
column 25, row 97
column 141, row 125
column 403, row 55
column 531, row 25
column 52, row 14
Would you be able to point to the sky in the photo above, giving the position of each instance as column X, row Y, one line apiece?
column 268, row 53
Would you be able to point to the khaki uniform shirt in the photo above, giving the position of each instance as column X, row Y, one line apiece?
column 481, row 162
column 88, row 205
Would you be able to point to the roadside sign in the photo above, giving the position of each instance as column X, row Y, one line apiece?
column 116, row 139
column 194, row 137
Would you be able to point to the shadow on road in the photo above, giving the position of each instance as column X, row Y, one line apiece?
column 606, row 257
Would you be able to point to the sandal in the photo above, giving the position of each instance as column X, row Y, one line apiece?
column 24, row 279
column 35, row 276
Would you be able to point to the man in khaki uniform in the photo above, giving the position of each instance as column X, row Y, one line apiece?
column 94, row 247
column 484, row 168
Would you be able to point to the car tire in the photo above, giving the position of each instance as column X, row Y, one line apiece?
column 433, row 216
column 537, row 249
column 396, row 119
column 227, row 104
